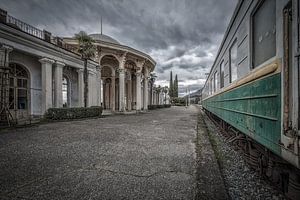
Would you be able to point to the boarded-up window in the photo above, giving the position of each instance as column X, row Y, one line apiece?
column 264, row 34
column 222, row 74
column 233, row 62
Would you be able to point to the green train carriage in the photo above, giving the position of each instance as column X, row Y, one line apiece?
column 253, row 85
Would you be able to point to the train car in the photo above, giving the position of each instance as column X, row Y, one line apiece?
column 253, row 87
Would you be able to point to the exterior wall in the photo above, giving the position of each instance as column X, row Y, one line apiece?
column 240, row 31
column 254, row 109
column 33, row 66
column 47, row 61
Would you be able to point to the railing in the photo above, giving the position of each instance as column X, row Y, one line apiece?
column 25, row 27
column 31, row 30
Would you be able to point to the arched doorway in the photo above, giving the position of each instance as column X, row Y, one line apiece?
column 130, row 85
column 19, row 82
column 109, row 65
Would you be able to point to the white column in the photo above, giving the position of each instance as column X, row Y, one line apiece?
column 80, row 88
column 138, row 91
column 129, row 94
column 58, row 76
column 121, row 90
column 46, row 83
column 4, row 55
column 91, row 92
column 98, row 88
column 146, row 93
column 113, row 92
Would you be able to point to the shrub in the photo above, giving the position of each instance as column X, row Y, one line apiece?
column 178, row 100
column 73, row 113
column 180, row 104
column 152, row 107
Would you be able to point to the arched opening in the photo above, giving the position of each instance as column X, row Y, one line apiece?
column 107, row 94
column 19, row 82
column 108, row 76
column 66, row 91
column 130, row 85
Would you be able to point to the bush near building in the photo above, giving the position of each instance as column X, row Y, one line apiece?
column 73, row 113
column 178, row 101
column 153, row 107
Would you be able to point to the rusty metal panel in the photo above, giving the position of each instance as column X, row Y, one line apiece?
column 254, row 109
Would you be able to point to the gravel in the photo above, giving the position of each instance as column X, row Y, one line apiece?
column 241, row 182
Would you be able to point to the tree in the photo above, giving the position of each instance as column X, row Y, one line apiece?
column 175, row 90
column 171, row 85
column 165, row 90
column 87, row 50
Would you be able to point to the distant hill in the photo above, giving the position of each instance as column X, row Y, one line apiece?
column 195, row 94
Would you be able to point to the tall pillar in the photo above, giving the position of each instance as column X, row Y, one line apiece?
column 146, row 81
column 98, row 69
column 4, row 55
column 113, row 93
column 121, row 90
column 58, row 76
column 138, row 91
column 4, row 62
column 80, row 88
column 129, row 94
column 91, row 86
column 46, row 83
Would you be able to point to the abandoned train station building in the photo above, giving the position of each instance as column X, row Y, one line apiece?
column 46, row 72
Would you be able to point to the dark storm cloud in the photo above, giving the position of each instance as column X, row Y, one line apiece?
column 181, row 35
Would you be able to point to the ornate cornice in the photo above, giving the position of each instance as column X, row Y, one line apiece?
column 6, row 47
column 60, row 64
column 46, row 61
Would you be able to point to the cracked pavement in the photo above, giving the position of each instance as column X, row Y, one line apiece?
column 145, row 156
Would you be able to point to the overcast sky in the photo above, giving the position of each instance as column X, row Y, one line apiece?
column 180, row 35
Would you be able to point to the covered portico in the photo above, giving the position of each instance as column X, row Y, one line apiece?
column 124, row 82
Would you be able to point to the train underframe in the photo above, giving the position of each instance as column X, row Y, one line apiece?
column 267, row 164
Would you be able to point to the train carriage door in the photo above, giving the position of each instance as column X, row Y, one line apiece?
column 297, row 57
column 291, row 72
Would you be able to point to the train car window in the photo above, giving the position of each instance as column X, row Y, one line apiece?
column 233, row 62
column 264, row 34
column 222, row 74
column 211, row 85
column 216, row 81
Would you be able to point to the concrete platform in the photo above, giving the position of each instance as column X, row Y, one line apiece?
column 142, row 156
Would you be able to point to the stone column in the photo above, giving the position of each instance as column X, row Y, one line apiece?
column 129, row 95
column 98, row 69
column 80, row 88
column 122, row 90
column 138, row 91
column 113, row 93
column 58, row 76
column 4, row 61
column 46, row 83
column 146, row 81
column 4, row 55
column 91, row 85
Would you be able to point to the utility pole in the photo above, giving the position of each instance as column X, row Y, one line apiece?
column 189, row 95
column 186, row 98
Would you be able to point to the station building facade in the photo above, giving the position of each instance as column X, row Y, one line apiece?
column 46, row 72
